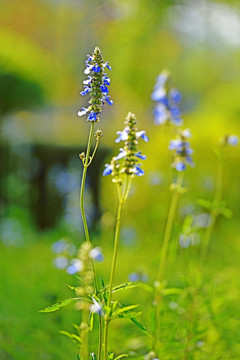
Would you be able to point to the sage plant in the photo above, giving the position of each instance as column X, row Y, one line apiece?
column 123, row 168
column 96, row 85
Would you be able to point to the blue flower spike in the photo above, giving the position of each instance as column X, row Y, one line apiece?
column 182, row 150
column 96, row 85
column 129, row 153
column 167, row 99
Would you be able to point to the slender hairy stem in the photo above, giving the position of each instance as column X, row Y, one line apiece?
column 214, row 213
column 122, row 200
column 163, row 255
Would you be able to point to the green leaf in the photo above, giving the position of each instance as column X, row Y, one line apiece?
column 128, row 285
column 93, row 356
column 124, row 309
column 171, row 291
column 140, row 326
column 78, row 357
column 205, row 203
column 121, row 356
column 71, row 336
column 91, row 320
column 59, row 305
column 129, row 314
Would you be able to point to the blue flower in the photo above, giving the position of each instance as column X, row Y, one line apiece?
column 83, row 111
column 76, row 266
column 92, row 116
column 138, row 171
column 122, row 135
column 96, row 68
column 180, row 166
column 107, row 66
column 96, row 308
column 96, row 85
column 142, row 134
column 140, row 156
column 104, row 89
column 167, row 99
column 108, row 99
column 96, row 254
column 184, row 241
column 122, row 154
column 232, row 140
column 108, row 170
column 85, row 91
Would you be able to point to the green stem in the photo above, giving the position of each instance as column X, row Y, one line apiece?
column 164, row 252
column 168, row 228
column 100, row 338
column 214, row 213
column 85, row 166
column 122, row 200
column 84, row 349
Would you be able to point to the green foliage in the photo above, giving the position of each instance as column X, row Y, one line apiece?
column 59, row 305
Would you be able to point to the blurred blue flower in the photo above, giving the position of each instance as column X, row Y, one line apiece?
column 184, row 241
column 96, row 254
column 59, row 246
column 182, row 150
column 232, row 140
column 76, row 266
column 96, row 308
column 60, row 262
column 167, row 100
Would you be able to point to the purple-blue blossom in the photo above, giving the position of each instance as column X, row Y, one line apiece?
column 182, row 150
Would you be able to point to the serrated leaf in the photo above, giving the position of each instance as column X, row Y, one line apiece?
column 128, row 285
column 71, row 336
column 59, row 305
column 121, row 356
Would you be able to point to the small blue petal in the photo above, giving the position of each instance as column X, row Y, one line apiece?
column 104, row 89
column 92, row 116
column 122, row 154
column 180, row 166
column 175, row 96
column 138, row 171
column 108, row 170
column 140, row 156
column 142, row 134
column 232, row 140
column 108, row 100
column 96, row 68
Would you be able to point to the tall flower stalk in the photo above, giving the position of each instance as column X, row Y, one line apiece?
column 217, row 206
column 97, row 86
column 182, row 158
column 122, row 173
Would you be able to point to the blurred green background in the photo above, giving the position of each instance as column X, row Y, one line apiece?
column 43, row 46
